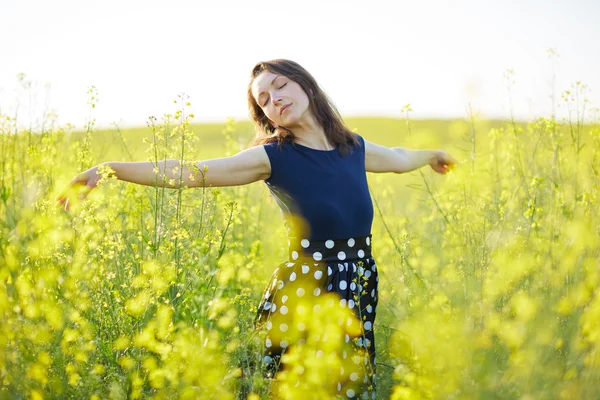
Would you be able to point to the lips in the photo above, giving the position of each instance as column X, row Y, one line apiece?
column 284, row 108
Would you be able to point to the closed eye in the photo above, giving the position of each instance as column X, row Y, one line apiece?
column 279, row 88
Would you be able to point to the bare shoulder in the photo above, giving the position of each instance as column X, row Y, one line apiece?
column 256, row 158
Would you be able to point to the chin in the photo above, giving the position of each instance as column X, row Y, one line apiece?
column 290, row 121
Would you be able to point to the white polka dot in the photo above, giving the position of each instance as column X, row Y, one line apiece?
column 353, row 286
column 316, row 308
column 350, row 242
column 318, row 274
column 367, row 274
column 284, row 298
column 373, row 293
column 329, row 244
column 273, row 307
column 361, row 253
column 373, row 396
column 361, row 270
column 350, row 393
column 368, row 325
column 283, row 344
column 290, row 264
column 341, row 267
column 339, row 387
column 342, row 255
column 317, row 291
column 369, row 309
column 329, row 271
column 300, row 292
column 317, row 256
column 283, row 310
column 283, row 327
column 347, row 339
column 349, row 321
column 374, row 267
column 268, row 359
column 341, row 370
column 330, row 286
column 268, row 342
column 353, row 267
column 301, row 326
column 305, row 243
column 305, row 269
column 279, row 284
column 359, row 342
column 350, row 303
column 294, row 255
column 343, row 285
column 343, row 302
column 354, row 376
column 368, row 241
column 292, row 277
column 344, row 355
column 269, row 325
column 267, row 306
column 365, row 395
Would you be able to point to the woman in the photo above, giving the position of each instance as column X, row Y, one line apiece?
column 315, row 168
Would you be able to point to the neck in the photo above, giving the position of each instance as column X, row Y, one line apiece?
column 308, row 132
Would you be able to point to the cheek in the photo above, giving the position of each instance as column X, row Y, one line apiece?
column 302, row 99
column 270, row 112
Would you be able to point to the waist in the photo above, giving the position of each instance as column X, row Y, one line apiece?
column 301, row 249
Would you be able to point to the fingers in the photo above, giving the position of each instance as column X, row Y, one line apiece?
column 75, row 190
column 60, row 200
column 443, row 168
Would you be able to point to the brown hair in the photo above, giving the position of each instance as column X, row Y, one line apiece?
column 319, row 105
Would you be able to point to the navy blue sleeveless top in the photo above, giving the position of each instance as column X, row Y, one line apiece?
column 321, row 194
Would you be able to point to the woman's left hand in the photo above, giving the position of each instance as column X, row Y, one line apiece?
column 442, row 162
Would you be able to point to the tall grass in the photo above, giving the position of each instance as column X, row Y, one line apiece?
column 488, row 284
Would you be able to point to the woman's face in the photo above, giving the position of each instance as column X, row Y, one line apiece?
column 282, row 100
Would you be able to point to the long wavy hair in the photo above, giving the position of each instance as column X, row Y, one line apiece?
column 319, row 105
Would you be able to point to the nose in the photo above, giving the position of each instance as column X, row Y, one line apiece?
column 275, row 99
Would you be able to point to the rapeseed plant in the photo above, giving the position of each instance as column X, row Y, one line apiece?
column 488, row 283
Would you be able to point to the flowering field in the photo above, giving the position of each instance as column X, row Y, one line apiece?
column 489, row 274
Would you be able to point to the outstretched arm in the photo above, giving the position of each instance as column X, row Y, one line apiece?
column 245, row 167
column 399, row 160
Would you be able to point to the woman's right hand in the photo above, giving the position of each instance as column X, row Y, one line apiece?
column 79, row 187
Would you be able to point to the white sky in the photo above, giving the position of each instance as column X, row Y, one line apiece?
column 372, row 57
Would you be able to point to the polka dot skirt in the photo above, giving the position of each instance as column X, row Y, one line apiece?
column 326, row 288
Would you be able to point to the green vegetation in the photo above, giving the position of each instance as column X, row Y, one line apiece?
column 489, row 275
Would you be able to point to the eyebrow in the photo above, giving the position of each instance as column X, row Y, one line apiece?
column 278, row 76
